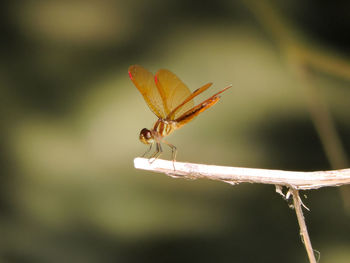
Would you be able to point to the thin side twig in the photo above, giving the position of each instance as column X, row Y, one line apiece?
column 303, row 229
column 235, row 175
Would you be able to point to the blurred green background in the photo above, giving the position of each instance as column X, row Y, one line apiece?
column 70, row 119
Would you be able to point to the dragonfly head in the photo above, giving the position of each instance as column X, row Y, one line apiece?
column 146, row 136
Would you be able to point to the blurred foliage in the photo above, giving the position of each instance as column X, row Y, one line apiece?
column 70, row 119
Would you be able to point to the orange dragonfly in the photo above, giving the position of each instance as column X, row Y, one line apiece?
column 171, row 101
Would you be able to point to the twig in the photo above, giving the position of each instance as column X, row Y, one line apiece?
column 236, row 175
column 295, row 181
column 303, row 229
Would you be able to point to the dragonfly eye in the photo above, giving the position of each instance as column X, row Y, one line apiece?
column 146, row 136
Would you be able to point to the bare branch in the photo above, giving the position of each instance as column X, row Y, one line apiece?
column 236, row 175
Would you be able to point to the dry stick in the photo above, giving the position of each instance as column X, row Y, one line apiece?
column 303, row 229
column 295, row 181
column 236, row 175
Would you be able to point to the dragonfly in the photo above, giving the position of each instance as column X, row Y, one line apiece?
column 171, row 101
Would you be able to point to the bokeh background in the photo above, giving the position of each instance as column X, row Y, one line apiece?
column 70, row 119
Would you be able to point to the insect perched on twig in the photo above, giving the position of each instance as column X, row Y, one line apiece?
column 171, row 101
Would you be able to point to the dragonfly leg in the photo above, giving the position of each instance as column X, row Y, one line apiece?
column 173, row 152
column 148, row 150
column 157, row 153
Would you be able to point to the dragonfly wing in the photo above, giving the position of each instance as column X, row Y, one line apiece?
column 193, row 112
column 190, row 114
column 144, row 82
column 173, row 92
column 179, row 110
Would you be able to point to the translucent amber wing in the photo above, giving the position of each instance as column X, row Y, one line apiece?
column 193, row 112
column 175, row 112
column 144, row 82
column 173, row 92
